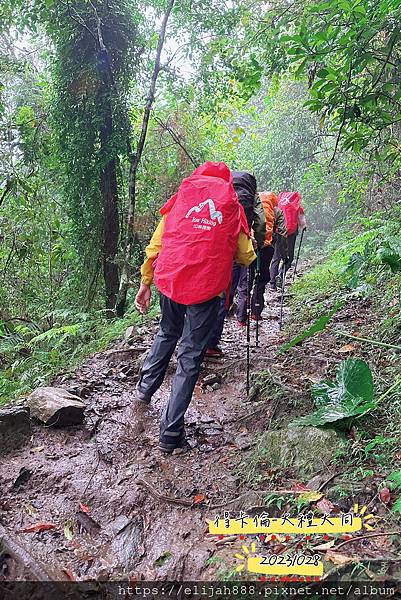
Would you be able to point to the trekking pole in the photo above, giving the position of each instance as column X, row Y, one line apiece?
column 299, row 250
column 282, row 298
column 257, row 305
column 248, row 327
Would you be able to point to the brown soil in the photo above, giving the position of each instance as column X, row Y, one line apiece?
column 147, row 512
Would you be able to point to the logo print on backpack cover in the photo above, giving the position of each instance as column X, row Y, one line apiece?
column 215, row 215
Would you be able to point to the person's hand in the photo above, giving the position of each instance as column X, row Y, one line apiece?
column 142, row 299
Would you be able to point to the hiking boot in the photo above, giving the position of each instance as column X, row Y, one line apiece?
column 241, row 323
column 141, row 396
column 168, row 448
column 215, row 352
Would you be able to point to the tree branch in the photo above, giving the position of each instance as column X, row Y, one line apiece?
column 135, row 160
column 177, row 140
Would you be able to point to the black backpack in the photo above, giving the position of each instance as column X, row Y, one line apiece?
column 245, row 187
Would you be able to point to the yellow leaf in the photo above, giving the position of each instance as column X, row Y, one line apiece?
column 347, row 348
column 311, row 496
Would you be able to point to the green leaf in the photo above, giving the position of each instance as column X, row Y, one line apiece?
column 349, row 396
column 397, row 506
column 391, row 256
column 163, row 558
column 318, row 326
column 395, row 477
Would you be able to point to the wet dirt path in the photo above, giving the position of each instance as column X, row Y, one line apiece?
column 147, row 512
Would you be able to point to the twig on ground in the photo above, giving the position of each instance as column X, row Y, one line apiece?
column 367, row 340
column 365, row 537
column 152, row 492
column 325, row 483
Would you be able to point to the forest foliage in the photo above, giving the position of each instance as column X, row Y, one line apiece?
column 304, row 94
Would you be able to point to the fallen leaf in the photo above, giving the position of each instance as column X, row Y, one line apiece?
column 398, row 455
column 346, row 348
column 199, row 498
column 325, row 546
column 70, row 574
column 337, row 558
column 310, row 496
column 325, row 506
column 37, row 449
column 38, row 527
column 275, row 538
column 162, row 559
column 85, row 509
column 69, row 529
column 31, row 510
column 299, row 487
column 385, row 495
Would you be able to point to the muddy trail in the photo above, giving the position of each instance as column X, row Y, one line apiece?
column 99, row 501
column 113, row 504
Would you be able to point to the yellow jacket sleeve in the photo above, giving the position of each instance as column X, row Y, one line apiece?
column 245, row 254
column 152, row 252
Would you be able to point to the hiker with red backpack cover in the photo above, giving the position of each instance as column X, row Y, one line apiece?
column 290, row 204
column 190, row 256
column 276, row 235
column 245, row 187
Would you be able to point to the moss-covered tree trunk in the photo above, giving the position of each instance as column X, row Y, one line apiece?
column 111, row 229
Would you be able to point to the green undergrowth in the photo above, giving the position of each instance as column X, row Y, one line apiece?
column 361, row 273
column 357, row 260
column 32, row 353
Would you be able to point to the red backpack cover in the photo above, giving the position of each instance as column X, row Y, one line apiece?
column 203, row 222
column 290, row 204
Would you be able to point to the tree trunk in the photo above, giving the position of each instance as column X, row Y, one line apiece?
column 111, row 226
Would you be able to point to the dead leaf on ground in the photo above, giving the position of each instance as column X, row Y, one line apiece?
column 31, row 510
column 299, row 487
column 346, row 348
column 385, row 495
column 325, row 546
column 325, row 506
column 70, row 574
column 337, row 558
column 38, row 527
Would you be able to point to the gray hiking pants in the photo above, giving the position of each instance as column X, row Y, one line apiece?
column 275, row 268
column 193, row 324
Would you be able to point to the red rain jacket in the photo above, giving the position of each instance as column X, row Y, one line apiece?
column 203, row 222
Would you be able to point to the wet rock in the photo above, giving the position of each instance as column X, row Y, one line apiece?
column 22, row 478
column 307, row 450
column 128, row 543
column 211, row 379
column 130, row 333
column 206, row 419
column 15, row 426
column 56, row 406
